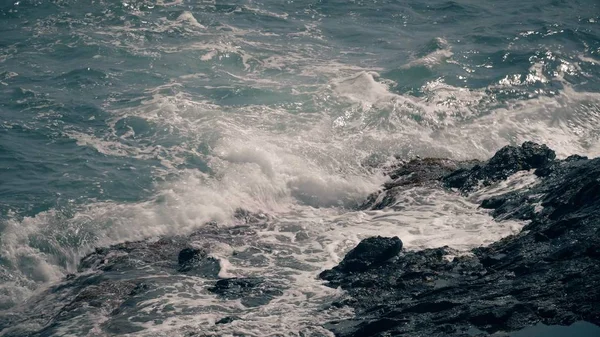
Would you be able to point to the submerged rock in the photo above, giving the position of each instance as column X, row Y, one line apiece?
column 251, row 291
column 188, row 256
column 197, row 260
column 227, row 320
column 126, row 283
column 548, row 274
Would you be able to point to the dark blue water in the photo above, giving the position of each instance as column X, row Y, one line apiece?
column 582, row 329
column 122, row 120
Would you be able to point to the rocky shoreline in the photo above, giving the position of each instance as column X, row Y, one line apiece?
column 547, row 274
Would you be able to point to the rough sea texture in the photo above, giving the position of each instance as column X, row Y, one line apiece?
column 145, row 120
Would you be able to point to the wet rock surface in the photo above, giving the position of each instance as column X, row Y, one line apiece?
column 251, row 291
column 121, row 280
column 370, row 253
column 417, row 172
column 547, row 274
column 507, row 161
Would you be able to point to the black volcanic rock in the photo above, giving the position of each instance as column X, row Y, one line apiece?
column 188, row 256
column 369, row 253
column 416, row 172
column 462, row 175
column 118, row 281
column 507, row 161
column 549, row 273
column 252, row 291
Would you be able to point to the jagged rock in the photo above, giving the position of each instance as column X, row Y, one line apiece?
column 462, row 175
column 416, row 172
column 547, row 274
column 507, row 161
column 369, row 253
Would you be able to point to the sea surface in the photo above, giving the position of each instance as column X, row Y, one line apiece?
column 132, row 120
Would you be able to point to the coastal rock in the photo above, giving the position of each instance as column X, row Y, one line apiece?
column 189, row 256
column 120, row 280
column 462, row 175
column 548, row 274
column 507, row 161
column 251, row 291
column 416, row 172
column 369, row 253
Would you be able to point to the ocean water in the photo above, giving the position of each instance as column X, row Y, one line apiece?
column 131, row 120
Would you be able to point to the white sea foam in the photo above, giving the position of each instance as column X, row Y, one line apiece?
column 435, row 57
column 423, row 218
column 189, row 18
column 566, row 121
column 518, row 181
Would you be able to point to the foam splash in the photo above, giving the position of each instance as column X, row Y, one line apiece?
column 442, row 52
column 189, row 18
column 295, row 246
column 566, row 121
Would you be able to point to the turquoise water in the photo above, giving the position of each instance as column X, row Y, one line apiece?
column 124, row 120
